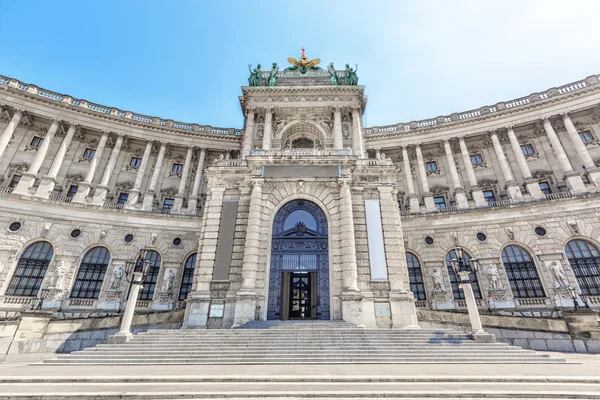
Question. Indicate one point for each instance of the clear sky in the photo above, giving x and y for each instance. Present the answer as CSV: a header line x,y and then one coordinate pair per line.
x,y
186,60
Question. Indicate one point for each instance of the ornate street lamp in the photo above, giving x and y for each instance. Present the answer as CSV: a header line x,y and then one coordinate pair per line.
x,y
573,293
464,269
43,296
135,274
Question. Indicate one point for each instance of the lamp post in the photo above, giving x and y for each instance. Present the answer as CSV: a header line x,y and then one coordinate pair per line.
x,y
464,269
43,296
135,274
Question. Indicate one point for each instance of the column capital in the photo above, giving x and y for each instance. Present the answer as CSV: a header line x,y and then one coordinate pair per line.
x,y
546,120
250,110
565,115
269,110
336,109
461,138
257,183
355,109
19,112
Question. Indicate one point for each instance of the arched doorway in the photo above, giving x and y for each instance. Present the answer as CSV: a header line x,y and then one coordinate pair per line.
x,y
299,271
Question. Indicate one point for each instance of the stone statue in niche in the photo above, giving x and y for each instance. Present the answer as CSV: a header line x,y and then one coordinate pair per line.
x,y
115,280
58,274
438,280
168,281
559,275
345,131
494,277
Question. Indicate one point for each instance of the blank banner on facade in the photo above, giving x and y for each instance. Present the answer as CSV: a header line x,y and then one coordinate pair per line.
x,y
301,171
225,241
375,238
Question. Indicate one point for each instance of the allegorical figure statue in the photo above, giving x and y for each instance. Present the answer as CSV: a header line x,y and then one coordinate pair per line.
x,y
438,280
333,78
58,274
272,79
560,276
494,276
255,78
168,281
115,281
350,77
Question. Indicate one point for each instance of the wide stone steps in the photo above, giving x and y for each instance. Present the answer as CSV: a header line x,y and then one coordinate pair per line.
x,y
302,343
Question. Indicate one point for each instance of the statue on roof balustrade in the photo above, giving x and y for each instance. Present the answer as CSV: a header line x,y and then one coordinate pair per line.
x,y
333,78
304,64
255,78
350,77
272,79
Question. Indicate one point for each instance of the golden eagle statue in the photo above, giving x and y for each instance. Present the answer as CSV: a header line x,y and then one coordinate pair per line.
x,y
304,64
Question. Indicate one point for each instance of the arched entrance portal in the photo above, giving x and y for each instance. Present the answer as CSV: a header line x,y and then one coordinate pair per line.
x,y
299,272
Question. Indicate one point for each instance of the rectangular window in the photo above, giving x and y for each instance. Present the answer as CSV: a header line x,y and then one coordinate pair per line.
x,y
476,159
135,162
586,136
545,187
14,181
168,204
123,198
89,153
527,149
177,168
72,191
37,141
488,195
431,166
440,202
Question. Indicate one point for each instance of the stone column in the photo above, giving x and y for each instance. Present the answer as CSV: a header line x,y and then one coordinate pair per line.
x,y
193,199
268,132
86,186
413,199
245,306
533,187
249,134
9,130
149,196
402,302
49,180
458,190
592,172
427,196
351,296
185,173
357,143
134,193
572,178
476,191
512,187
28,178
338,138
102,188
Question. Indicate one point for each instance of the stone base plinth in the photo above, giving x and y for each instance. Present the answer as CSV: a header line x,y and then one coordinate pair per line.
x,y
196,310
483,337
413,203
352,307
132,199
574,182
100,195
593,175
46,187
245,307
514,191
119,338
533,188
404,312
478,198
429,203
148,201
26,182
83,192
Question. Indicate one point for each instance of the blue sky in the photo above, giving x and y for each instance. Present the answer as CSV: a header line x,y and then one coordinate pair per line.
x,y
186,60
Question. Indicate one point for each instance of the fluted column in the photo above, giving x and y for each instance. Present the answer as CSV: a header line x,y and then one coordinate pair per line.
x,y
427,196
512,187
185,173
249,133
533,187
193,199
571,177
357,143
9,130
245,306
49,180
457,189
338,139
268,132
413,199
102,188
347,243
592,172
149,196
476,191
28,178
86,186
134,193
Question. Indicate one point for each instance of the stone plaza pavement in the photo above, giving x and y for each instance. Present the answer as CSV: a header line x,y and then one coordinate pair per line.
x,y
23,377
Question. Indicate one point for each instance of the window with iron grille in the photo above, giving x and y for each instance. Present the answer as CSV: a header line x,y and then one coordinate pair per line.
x,y
123,198
135,162
527,149
488,195
91,274
545,187
14,181
584,259
439,201
476,159
431,166
31,269
586,136
455,279
168,204
177,168
415,276
72,190
36,141
147,291
521,272
89,154
188,277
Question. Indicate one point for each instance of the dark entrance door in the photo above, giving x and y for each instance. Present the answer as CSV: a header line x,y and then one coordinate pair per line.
x,y
300,296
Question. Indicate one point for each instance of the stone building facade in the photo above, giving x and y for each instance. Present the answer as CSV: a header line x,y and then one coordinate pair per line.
x,y
303,213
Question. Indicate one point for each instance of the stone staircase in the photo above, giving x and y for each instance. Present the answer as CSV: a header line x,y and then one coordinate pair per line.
x,y
302,342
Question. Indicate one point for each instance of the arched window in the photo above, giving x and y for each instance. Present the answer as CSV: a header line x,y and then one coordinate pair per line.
x,y
91,274
31,269
147,292
521,272
584,259
455,279
188,277
415,276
